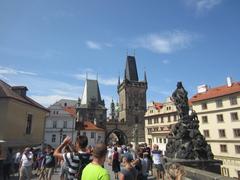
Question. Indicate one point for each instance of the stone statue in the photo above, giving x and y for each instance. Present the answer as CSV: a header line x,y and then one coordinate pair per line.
x,y
180,99
185,139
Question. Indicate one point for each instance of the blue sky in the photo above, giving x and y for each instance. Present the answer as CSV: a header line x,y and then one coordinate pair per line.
x,y
49,46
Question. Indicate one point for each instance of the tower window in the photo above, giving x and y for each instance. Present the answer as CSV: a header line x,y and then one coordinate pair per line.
x,y
136,119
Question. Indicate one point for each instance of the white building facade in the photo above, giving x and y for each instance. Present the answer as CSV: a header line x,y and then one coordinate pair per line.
x,y
218,111
159,120
60,122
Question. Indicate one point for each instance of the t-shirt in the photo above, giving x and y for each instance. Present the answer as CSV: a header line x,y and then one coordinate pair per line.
x,y
27,159
156,155
73,162
95,172
129,174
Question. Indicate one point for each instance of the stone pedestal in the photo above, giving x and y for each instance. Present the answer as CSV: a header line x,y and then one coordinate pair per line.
x,y
206,165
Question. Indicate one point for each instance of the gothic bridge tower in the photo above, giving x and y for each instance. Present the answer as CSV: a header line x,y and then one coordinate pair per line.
x,y
132,102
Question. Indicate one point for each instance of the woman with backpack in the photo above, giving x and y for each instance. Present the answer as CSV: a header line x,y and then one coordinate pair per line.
x,y
115,162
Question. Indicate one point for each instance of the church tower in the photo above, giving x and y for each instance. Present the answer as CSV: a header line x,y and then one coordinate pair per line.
x,y
132,101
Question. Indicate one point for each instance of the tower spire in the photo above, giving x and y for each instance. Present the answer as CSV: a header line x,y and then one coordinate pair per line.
x,y
145,75
118,80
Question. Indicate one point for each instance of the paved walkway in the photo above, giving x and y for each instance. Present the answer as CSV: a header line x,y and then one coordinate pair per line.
x,y
56,175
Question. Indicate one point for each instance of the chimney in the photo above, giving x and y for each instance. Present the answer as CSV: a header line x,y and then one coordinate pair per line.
x,y
20,90
202,88
229,81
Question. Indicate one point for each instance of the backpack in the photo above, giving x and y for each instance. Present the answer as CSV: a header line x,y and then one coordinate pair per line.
x,y
84,160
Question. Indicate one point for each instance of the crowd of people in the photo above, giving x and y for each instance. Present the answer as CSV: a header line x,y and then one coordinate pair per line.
x,y
80,161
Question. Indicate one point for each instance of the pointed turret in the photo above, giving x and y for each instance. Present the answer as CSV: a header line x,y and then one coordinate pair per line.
x,y
145,76
91,93
131,69
118,80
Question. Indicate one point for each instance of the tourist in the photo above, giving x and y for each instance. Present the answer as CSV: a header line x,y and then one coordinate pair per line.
x,y
26,164
109,154
147,161
175,172
158,170
49,162
115,162
64,170
17,160
128,172
141,165
7,163
77,159
95,170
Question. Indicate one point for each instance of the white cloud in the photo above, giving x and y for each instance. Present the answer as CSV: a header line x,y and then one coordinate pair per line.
x,y
101,80
165,61
166,42
202,5
11,71
97,45
93,45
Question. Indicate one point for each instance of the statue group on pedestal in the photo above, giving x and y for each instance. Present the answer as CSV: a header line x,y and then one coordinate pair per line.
x,y
185,140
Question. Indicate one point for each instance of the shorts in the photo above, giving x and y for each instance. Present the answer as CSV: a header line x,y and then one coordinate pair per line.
x,y
158,167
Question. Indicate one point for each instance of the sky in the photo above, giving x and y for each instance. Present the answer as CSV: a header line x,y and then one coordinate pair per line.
x,y
50,46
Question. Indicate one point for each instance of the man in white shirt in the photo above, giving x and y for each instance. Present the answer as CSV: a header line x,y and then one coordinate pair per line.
x,y
157,162
26,164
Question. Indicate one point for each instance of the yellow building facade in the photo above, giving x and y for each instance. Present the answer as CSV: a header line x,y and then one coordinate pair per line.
x,y
22,119
159,119
218,111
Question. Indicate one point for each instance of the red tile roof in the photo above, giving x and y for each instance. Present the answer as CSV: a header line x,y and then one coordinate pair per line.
x,y
6,91
89,126
157,105
216,92
71,110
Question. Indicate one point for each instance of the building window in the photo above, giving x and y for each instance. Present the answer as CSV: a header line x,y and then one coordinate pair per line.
x,y
136,119
234,116
162,121
175,118
92,135
54,124
65,104
233,100
160,140
84,134
155,120
169,118
221,133
236,132
206,133
164,140
219,103
204,105
220,118
29,124
149,121
204,119
237,149
65,124
54,138
149,130
223,148
151,111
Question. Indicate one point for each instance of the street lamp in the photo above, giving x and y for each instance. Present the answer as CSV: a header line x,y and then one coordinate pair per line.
x,y
60,131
